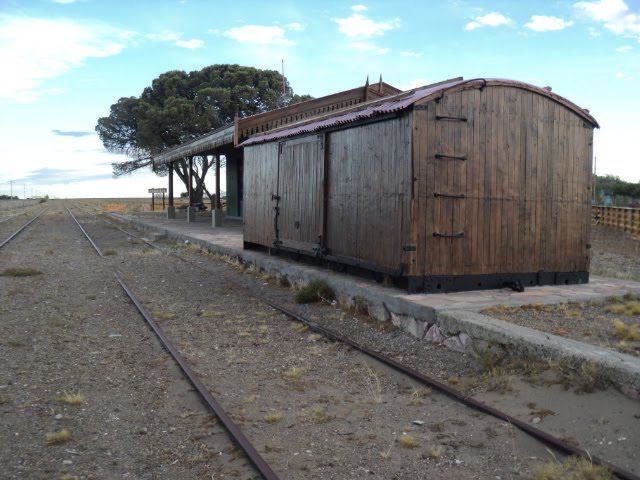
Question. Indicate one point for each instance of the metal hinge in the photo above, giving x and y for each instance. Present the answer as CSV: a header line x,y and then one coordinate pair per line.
x,y
448,235
408,248
275,197
445,117
448,195
452,157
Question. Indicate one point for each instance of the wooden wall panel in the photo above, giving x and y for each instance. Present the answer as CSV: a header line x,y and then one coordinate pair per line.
x,y
526,183
369,184
260,176
300,188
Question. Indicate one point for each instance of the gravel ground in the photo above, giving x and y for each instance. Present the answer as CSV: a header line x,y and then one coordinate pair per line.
x,y
314,409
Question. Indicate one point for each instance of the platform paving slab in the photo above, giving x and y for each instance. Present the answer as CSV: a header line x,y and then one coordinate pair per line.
x,y
455,316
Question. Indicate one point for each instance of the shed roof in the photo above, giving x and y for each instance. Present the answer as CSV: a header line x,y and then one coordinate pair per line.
x,y
206,143
403,101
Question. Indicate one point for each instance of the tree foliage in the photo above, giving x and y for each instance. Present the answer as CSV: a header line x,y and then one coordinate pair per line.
x,y
180,106
619,192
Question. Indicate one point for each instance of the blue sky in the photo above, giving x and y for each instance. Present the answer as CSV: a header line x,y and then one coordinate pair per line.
x,y
66,61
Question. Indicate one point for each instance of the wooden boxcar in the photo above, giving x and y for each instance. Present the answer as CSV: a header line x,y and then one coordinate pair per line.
x,y
462,185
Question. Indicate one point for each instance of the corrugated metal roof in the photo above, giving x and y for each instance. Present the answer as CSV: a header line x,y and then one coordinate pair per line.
x,y
198,146
402,101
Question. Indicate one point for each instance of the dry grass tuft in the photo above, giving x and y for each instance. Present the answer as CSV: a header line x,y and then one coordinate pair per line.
x,y
109,253
626,332
372,382
56,438
314,337
436,453
572,468
72,398
274,417
315,291
294,373
20,272
408,441
163,316
315,415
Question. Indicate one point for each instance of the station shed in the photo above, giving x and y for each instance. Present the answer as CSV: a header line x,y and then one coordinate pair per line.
x,y
460,185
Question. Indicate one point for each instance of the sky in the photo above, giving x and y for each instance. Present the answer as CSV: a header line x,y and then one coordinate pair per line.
x,y
65,62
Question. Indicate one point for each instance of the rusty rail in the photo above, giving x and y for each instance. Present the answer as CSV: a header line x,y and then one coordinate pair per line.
x,y
620,218
17,232
534,432
242,441
457,395
85,233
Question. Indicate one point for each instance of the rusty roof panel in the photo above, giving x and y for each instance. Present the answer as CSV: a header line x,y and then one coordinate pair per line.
x,y
402,101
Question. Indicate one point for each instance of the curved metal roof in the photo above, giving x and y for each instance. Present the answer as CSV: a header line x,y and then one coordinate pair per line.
x,y
405,100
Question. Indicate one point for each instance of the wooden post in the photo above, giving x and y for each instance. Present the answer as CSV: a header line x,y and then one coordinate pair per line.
x,y
190,181
163,205
153,206
218,181
171,184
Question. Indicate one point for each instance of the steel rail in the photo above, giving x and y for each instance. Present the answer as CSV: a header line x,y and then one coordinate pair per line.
x,y
532,431
85,233
242,441
17,232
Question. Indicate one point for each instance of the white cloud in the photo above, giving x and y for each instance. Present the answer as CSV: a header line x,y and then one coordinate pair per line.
x,y
541,23
258,34
624,49
603,10
594,33
164,36
493,19
295,26
368,47
358,8
64,2
34,59
176,39
620,75
614,14
190,44
360,26
410,54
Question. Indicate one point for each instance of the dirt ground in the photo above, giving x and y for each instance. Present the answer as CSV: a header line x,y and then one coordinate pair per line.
x,y
314,409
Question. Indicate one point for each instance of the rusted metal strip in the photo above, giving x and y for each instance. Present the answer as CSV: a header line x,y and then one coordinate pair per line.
x,y
17,232
85,233
449,195
446,117
459,396
452,157
448,235
242,441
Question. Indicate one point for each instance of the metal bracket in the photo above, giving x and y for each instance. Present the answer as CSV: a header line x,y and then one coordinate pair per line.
x,y
448,195
445,117
408,248
452,157
448,235
275,197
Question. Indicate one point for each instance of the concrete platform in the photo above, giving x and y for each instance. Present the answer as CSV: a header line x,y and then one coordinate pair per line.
x,y
453,319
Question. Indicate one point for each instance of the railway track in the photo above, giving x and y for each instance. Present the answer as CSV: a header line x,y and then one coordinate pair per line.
x,y
20,230
143,284
266,471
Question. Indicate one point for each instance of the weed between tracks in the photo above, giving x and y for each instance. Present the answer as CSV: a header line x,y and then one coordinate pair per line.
x,y
56,438
572,468
20,272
